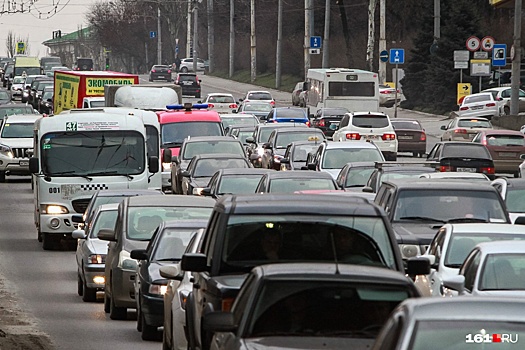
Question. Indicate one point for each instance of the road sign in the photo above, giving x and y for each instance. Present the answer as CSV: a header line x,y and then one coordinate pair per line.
x,y
464,89
499,55
20,47
487,43
479,68
152,34
315,42
315,51
473,43
461,55
383,56
397,56
481,55
460,65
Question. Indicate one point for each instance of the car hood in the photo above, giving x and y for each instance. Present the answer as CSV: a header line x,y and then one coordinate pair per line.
x,y
97,246
307,343
420,233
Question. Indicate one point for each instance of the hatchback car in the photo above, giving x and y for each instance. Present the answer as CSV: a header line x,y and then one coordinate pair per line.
x,y
190,84
17,87
505,147
221,102
186,65
328,119
478,105
368,126
462,156
160,72
287,115
257,95
411,136
464,128
258,108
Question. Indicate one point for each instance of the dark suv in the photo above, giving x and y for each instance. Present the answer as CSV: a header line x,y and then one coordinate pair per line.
x,y
190,84
83,64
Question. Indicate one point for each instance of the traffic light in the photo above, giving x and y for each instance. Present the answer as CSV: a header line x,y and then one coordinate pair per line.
x,y
107,63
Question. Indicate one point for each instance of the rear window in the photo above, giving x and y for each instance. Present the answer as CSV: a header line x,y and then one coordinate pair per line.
x,y
208,167
260,96
257,107
505,140
466,150
187,78
284,139
337,158
410,125
339,112
370,121
477,98
221,99
366,89
290,113
474,123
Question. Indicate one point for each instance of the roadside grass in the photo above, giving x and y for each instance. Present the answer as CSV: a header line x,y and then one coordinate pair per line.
x,y
266,80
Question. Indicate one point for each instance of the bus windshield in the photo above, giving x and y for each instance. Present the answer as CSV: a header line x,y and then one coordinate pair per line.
x,y
93,153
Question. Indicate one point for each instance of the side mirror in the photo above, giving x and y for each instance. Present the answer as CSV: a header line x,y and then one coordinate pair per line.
x,y
78,218
206,191
79,234
333,127
368,189
418,266
185,173
153,164
456,282
250,139
219,322
172,272
264,117
175,159
443,127
194,262
522,156
33,165
520,220
139,254
107,234
166,155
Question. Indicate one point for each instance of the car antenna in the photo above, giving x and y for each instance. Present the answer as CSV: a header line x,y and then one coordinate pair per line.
x,y
337,272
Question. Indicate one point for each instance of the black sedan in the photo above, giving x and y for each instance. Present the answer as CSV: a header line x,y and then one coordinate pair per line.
x,y
309,306
160,72
165,248
234,181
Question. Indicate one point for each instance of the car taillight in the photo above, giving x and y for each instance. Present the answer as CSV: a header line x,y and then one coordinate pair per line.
x,y
211,105
445,168
463,108
272,103
169,71
353,136
488,170
308,124
490,104
233,105
321,123
153,71
423,137
460,131
388,137
226,304
384,92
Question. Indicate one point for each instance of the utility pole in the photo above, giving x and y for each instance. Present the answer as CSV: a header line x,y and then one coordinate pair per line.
x,y
326,51
232,37
279,44
211,35
307,17
516,60
195,36
189,49
146,47
253,47
382,39
159,36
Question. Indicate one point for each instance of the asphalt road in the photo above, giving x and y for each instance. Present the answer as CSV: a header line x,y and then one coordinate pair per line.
x,y
44,282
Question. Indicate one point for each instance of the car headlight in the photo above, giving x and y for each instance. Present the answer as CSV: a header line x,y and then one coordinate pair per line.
x,y
158,289
166,166
6,151
53,209
409,250
125,262
260,152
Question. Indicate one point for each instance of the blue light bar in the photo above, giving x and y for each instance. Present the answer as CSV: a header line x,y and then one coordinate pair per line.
x,y
188,106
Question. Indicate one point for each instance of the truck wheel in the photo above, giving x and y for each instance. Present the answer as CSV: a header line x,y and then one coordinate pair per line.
x,y
48,241
2,176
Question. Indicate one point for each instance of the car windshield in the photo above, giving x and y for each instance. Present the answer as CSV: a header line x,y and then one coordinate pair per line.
x,y
370,121
358,177
463,150
283,139
105,219
192,149
259,96
408,125
474,123
15,110
506,140
175,133
293,185
337,158
18,130
461,244
445,205
19,80
208,167
514,200
172,243
322,308
47,95
143,221
503,272
460,333
238,184
304,238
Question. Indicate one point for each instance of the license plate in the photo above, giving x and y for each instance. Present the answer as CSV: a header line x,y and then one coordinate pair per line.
x,y
24,163
476,107
405,137
508,154
467,170
370,137
160,76
187,82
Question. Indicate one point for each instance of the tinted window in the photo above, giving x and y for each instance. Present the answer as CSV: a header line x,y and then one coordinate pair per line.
x,y
477,98
411,125
290,113
259,96
18,130
237,184
337,88
208,167
474,123
505,140
370,121
466,150
292,185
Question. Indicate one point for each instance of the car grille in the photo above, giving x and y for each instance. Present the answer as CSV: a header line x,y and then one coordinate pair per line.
x,y
20,152
80,205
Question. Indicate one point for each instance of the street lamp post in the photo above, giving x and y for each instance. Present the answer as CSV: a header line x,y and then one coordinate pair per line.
x,y
159,37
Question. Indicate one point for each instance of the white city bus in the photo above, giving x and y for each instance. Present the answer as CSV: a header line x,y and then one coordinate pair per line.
x,y
354,89
79,152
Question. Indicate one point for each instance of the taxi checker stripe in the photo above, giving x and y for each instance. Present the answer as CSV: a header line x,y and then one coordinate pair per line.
x,y
91,187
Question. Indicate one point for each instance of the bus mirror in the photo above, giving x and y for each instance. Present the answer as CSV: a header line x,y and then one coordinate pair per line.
x,y
153,164
166,156
33,165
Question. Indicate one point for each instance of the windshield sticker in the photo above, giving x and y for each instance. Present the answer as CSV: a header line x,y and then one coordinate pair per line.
x,y
92,126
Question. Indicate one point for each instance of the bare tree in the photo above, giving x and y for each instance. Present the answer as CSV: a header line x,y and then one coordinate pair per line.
x,y
10,44
371,34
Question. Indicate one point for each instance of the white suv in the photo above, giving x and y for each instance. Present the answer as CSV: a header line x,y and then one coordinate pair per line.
x,y
369,126
186,65
16,144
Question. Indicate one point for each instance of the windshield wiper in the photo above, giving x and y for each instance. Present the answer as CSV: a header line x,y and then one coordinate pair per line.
x,y
421,218
174,143
458,220
113,172
71,172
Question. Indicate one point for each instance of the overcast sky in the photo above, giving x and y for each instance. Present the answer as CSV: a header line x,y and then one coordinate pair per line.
x,y
69,17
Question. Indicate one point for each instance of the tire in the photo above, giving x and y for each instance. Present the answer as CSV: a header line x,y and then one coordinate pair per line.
x,y
48,241
139,319
148,332
106,303
117,313
88,294
80,284
39,235
184,70
192,342
2,176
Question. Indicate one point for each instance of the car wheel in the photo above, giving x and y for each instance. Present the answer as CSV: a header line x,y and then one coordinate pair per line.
x,y
88,294
184,69
2,176
106,302
39,235
80,290
139,319
48,241
117,313
148,332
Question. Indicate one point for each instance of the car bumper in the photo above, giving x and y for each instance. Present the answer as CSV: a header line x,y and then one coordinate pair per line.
x,y
507,166
480,113
91,272
152,307
18,166
412,146
123,289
